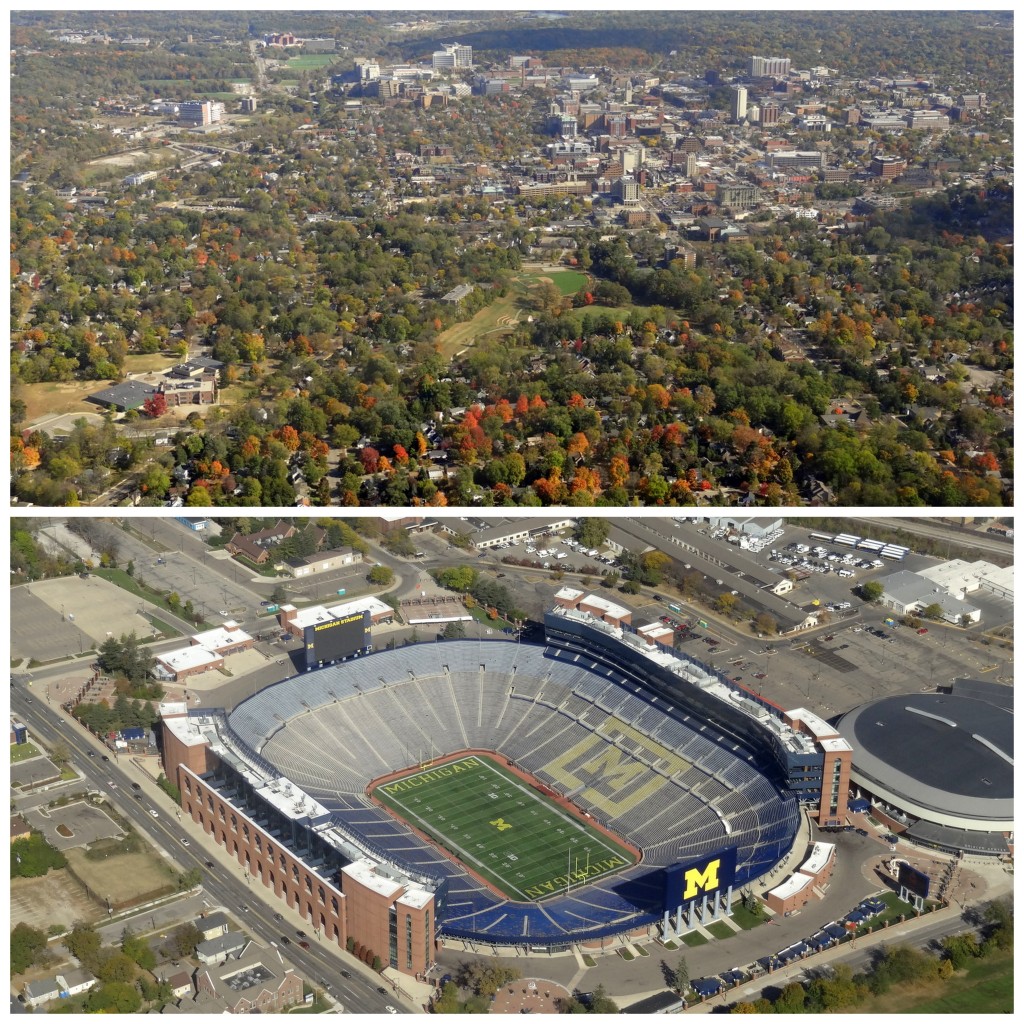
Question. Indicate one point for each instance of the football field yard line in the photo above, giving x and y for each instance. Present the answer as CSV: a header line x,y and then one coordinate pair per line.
x,y
568,818
529,849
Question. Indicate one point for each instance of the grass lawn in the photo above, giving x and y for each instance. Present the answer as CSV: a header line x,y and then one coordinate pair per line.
x,y
615,312
695,939
626,954
120,578
568,282
55,399
985,986
521,841
124,875
312,60
499,317
744,918
589,960
480,614
721,930
152,362
895,906
168,631
23,751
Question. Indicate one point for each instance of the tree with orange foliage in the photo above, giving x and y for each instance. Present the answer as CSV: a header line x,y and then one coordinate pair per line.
x,y
618,470
401,455
578,444
522,405
288,436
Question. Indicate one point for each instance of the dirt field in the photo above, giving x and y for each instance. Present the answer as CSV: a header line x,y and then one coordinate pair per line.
x,y
55,898
98,607
46,401
124,876
128,159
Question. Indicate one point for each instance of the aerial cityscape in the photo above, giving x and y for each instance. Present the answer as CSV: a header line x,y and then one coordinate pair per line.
x,y
582,258
562,763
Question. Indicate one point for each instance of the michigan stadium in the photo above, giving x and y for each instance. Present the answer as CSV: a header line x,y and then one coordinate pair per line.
x,y
523,794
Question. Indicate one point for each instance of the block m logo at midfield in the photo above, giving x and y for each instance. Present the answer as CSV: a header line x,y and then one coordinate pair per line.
x,y
608,778
685,883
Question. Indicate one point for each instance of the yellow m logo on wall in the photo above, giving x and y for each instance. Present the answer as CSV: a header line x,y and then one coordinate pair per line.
x,y
701,879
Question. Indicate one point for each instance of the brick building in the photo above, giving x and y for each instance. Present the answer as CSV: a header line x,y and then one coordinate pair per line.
x,y
283,839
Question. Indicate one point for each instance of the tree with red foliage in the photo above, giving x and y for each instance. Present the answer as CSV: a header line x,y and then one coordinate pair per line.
x,y
370,459
155,405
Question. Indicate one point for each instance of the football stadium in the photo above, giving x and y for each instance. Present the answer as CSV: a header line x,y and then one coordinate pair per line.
x,y
530,795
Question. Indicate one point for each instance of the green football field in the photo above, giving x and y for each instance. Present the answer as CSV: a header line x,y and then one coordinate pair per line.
x,y
522,842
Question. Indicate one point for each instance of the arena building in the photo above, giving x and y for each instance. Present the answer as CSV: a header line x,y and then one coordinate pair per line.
x,y
702,778
938,767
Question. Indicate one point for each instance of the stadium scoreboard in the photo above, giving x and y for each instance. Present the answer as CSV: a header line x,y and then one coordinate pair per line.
x,y
337,639
914,881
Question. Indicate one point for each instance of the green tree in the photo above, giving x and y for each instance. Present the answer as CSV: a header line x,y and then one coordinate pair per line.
x,y
137,949
185,938
116,997
381,576
454,630
83,942
960,949
26,944
681,976
116,967
34,856
933,612
591,532
872,591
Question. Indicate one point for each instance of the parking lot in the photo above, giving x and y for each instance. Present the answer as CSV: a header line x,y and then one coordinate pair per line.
x,y
77,824
63,617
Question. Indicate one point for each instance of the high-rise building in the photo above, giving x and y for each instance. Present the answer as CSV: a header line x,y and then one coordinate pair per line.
x,y
627,189
769,113
453,56
739,104
691,165
769,67
195,112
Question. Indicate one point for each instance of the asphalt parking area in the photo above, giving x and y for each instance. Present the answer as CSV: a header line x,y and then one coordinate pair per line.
x,y
77,824
830,658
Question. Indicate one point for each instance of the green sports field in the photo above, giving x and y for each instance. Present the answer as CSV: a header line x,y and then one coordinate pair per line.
x,y
519,840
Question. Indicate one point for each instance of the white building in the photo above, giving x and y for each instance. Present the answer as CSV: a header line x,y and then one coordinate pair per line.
x,y
452,56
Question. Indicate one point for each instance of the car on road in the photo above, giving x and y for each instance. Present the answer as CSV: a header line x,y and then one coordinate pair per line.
x,y
91,753
303,944
62,722
345,974
922,631
862,832
302,935
136,785
184,841
285,941
28,700
263,604
244,908
105,758
278,917
760,675
138,796
390,1009
890,838
153,813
